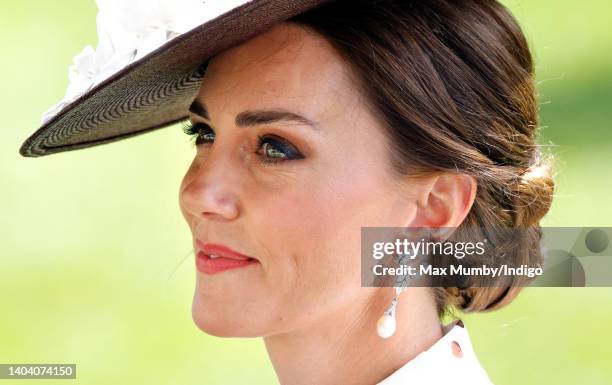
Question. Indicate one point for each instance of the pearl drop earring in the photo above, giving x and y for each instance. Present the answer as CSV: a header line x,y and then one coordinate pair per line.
x,y
386,324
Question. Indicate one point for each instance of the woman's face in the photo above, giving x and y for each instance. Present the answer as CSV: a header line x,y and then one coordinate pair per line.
x,y
296,199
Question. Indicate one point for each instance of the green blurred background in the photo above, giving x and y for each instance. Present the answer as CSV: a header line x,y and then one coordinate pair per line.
x,y
95,264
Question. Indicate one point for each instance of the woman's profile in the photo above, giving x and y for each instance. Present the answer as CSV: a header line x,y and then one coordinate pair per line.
x,y
336,116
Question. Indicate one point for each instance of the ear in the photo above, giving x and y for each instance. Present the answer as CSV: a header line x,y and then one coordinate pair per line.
x,y
444,200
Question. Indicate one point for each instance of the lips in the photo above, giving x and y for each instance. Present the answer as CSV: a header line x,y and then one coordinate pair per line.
x,y
214,258
220,251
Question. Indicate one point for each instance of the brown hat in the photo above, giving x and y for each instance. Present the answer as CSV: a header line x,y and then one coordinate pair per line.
x,y
131,85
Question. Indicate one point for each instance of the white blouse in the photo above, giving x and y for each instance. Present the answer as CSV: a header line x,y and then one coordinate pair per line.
x,y
451,360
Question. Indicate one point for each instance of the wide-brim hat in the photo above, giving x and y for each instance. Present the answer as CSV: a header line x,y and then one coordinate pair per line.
x,y
148,67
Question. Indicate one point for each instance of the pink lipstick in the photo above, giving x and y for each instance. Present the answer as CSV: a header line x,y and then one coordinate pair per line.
x,y
216,258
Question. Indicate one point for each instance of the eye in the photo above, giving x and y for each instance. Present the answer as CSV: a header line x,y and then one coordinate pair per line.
x,y
274,149
200,133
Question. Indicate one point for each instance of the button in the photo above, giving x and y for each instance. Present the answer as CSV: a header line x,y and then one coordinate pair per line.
x,y
457,352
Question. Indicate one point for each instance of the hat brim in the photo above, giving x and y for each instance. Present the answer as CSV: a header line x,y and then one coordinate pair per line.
x,y
156,90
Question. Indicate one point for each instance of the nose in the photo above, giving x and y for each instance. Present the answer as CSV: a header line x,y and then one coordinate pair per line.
x,y
210,189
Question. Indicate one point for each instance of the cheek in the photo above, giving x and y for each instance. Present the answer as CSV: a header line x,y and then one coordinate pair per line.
x,y
314,233
307,271
316,266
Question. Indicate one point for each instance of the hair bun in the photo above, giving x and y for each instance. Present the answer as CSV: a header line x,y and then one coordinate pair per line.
x,y
534,193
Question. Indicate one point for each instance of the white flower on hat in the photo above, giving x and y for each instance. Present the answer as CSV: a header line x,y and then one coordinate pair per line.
x,y
127,31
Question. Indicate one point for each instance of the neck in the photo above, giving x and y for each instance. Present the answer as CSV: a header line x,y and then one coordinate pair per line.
x,y
344,348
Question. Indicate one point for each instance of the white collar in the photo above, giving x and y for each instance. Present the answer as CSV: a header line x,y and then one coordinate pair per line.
x,y
450,360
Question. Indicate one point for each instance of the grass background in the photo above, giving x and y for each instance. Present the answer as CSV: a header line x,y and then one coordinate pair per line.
x,y
94,264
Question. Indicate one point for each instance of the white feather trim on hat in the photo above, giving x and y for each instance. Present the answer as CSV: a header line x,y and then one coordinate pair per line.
x,y
127,31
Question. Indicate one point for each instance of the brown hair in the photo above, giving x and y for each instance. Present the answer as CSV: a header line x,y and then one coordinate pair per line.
x,y
453,84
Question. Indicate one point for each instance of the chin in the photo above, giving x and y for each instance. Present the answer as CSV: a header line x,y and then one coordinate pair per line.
x,y
219,323
216,329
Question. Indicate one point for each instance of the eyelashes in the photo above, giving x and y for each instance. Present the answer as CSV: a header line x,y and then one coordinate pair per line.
x,y
275,148
195,132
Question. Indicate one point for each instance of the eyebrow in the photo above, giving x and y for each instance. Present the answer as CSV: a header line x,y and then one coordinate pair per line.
x,y
253,118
